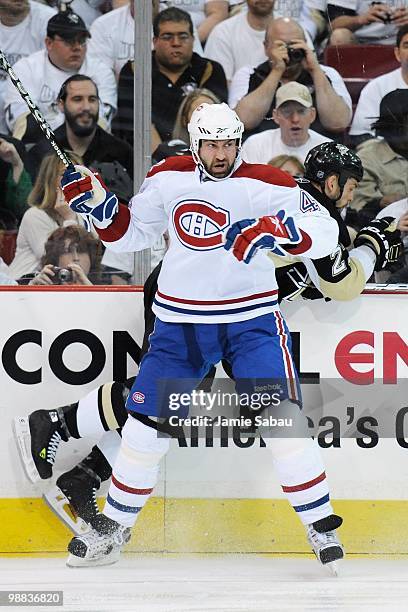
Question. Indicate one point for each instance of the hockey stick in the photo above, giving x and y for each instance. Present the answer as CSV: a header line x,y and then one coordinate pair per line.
x,y
49,134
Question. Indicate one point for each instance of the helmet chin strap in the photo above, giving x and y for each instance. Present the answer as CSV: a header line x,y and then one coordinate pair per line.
x,y
203,170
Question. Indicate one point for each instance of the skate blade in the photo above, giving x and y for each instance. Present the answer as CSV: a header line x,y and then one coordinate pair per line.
x,y
22,436
59,504
332,568
110,559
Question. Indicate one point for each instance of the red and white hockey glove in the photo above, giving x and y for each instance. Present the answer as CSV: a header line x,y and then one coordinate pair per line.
x,y
245,237
88,196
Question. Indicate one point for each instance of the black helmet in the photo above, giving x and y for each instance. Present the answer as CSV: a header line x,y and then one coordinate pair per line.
x,y
332,158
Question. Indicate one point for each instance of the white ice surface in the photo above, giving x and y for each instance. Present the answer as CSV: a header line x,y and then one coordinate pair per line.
x,y
204,583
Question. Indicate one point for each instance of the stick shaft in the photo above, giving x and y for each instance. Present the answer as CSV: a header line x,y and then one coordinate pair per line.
x,y
34,110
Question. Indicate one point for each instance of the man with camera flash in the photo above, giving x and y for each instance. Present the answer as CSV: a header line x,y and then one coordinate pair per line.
x,y
253,90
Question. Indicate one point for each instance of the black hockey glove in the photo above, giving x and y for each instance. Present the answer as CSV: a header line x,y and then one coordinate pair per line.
x,y
383,237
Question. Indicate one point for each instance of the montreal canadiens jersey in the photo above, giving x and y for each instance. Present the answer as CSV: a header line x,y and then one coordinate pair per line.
x,y
201,282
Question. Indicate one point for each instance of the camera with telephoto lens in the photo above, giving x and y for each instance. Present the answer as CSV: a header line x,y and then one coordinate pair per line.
x,y
295,55
62,275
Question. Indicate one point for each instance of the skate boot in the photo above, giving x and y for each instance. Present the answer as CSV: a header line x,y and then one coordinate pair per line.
x,y
100,546
73,498
322,537
38,436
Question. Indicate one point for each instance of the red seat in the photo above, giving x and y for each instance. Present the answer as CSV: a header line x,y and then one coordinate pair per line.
x,y
8,240
357,64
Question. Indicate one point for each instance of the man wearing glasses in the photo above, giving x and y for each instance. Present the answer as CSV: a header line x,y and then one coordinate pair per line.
x,y
177,70
44,72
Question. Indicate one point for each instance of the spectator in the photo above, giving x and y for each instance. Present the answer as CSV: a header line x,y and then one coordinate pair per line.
x,y
253,90
205,14
78,100
48,211
237,41
366,22
385,159
176,71
293,113
22,31
5,278
113,35
15,182
44,72
180,142
368,105
289,163
72,256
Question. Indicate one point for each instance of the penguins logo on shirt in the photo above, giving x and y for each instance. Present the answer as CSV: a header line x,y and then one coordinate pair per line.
x,y
199,225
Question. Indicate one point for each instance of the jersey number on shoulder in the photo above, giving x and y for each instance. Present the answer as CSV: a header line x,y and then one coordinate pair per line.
x,y
307,203
339,265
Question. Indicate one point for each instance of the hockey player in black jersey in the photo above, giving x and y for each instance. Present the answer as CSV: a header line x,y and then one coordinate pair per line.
x,y
332,173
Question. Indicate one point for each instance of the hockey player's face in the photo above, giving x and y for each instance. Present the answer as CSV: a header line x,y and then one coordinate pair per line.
x,y
173,45
81,107
348,193
218,156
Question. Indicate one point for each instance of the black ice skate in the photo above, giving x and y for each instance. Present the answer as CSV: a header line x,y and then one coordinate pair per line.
x,y
73,498
100,546
322,537
38,436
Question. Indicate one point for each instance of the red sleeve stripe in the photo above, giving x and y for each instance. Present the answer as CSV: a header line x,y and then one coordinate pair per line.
x,y
117,228
124,487
179,163
301,247
304,485
265,173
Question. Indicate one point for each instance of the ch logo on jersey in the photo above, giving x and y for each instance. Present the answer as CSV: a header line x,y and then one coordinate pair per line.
x,y
199,225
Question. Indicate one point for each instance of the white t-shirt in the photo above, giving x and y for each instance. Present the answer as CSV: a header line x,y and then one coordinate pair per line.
x,y
87,9
196,8
234,44
260,148
368,107
22,40
240,84
43,80
375,33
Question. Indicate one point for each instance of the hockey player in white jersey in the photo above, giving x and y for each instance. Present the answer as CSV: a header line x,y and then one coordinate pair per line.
x,y
208,306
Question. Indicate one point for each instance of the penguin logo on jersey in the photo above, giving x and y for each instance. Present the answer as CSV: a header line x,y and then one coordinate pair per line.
x,y
199,225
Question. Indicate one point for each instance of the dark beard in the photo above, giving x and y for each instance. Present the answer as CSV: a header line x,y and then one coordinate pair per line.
x,y
80,130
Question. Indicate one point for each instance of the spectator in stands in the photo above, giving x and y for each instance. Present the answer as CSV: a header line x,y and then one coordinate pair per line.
x,y
365,22
22,31
48,211
78,100
238,41
289,163
112,37
293,113
368,105
44,72
15,182
385,159
180,140
176,71
72,256
253,90
205,14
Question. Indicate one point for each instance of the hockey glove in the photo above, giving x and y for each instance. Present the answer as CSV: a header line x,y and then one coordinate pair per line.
x,y
383,237
88,196
245,237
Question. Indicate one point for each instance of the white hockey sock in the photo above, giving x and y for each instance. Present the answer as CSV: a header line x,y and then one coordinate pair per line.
x,y
88,420
300,469
109,446
135,471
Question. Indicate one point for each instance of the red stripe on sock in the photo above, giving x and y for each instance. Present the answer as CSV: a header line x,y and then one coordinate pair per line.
x,y
123,487
305,485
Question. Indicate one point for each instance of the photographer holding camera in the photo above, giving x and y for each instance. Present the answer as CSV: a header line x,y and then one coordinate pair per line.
x,y
253,90
72,257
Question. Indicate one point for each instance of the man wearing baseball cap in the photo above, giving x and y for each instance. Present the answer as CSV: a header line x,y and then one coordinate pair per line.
x,y
43,73
294,112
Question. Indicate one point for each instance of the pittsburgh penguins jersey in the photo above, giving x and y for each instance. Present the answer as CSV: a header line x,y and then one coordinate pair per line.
x,y
200,282
340,275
